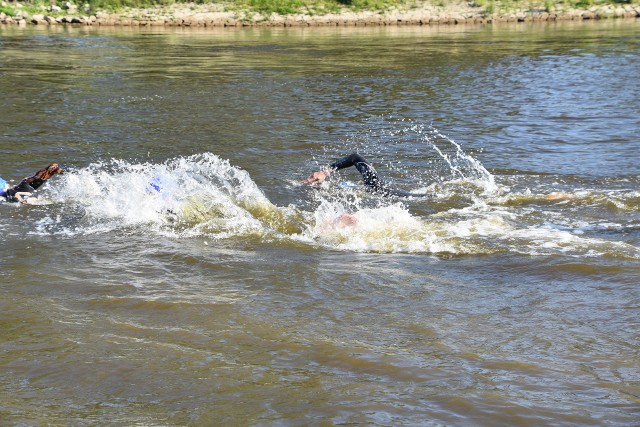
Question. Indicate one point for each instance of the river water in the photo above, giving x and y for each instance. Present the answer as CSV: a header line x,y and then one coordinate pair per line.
x,y
507,296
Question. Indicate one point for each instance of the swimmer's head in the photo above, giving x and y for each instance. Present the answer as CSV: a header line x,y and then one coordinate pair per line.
x,y
346,220
54,169
49,171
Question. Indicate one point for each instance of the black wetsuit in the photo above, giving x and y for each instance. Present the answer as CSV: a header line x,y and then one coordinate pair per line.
x,y
370,176
23,187
27,185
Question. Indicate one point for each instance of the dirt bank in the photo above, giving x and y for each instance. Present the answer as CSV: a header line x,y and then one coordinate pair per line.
x,y
216,15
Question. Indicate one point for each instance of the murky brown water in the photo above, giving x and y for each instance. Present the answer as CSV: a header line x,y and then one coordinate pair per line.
x,y
229,298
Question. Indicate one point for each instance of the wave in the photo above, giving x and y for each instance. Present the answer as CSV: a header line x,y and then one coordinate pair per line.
x,y
185,196
205,196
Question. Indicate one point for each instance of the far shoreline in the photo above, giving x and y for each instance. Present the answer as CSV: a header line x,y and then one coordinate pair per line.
x,y
215,16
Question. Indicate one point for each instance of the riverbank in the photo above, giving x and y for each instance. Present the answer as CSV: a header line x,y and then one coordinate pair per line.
x,y
228,15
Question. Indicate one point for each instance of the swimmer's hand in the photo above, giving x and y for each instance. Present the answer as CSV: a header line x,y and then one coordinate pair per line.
x,y
317,177
21,196
32,200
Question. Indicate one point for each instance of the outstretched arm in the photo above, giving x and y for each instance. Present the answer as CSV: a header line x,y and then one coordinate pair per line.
x,y
369,174
351,160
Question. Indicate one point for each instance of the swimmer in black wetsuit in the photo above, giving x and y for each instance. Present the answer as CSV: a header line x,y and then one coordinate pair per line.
x,y
17,193
369,176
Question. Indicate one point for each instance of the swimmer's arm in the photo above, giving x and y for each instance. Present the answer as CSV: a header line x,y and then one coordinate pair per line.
x,y
20,196
348,161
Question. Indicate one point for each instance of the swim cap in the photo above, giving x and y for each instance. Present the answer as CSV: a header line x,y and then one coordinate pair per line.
x,y
156,183
3,184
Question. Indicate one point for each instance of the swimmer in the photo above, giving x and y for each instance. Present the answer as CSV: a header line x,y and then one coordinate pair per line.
x,y
369,176
18,193
342,221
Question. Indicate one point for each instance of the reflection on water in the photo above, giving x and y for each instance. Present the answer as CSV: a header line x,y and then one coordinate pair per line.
x,y
180,274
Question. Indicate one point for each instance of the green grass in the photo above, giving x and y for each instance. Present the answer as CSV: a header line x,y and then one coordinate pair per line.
x,y
285,7
312,7
8,10
489,6
115,5
502,7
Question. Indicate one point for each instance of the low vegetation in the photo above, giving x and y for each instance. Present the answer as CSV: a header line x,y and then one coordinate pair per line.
x,y
282,7
502,6
285,7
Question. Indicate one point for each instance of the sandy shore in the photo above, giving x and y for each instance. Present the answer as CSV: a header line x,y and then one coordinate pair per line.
x,y
217,15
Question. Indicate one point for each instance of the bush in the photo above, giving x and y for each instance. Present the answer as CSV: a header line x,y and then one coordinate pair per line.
x,y
9,11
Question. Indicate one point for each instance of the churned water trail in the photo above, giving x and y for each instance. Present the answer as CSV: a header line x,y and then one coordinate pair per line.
x,y
180,274
204,195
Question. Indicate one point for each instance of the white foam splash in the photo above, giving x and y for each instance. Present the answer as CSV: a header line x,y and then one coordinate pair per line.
x,y
205,196
190,195
461,164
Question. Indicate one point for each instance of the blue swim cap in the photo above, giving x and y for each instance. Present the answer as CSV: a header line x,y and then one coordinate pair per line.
x,y
156,183
3,184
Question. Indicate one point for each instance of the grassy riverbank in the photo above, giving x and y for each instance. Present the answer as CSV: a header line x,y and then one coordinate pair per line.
x,y
307,12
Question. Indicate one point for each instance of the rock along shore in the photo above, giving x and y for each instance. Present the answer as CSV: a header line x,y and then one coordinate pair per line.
x,y
215,15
